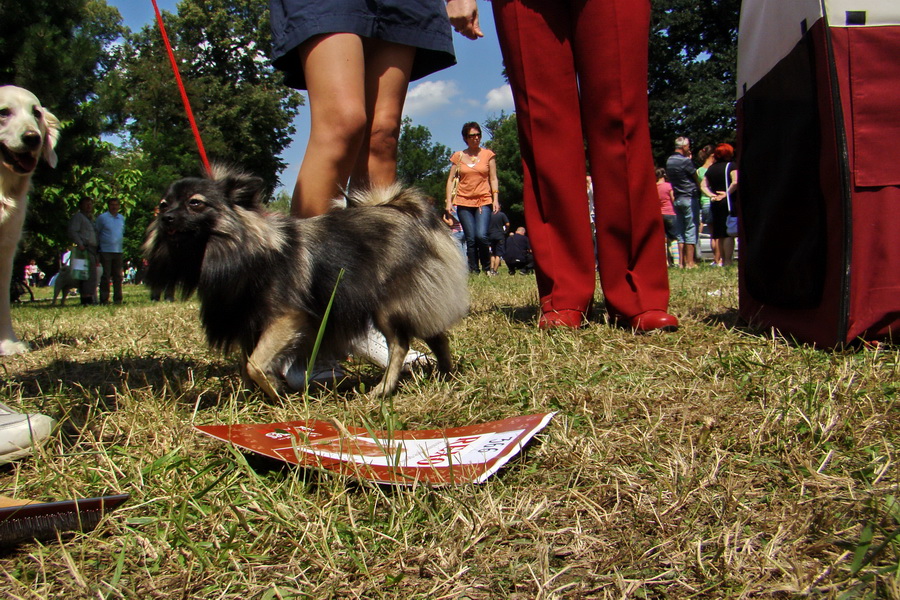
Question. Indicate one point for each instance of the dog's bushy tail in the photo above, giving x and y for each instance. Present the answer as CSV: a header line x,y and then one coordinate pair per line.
x,y
407,199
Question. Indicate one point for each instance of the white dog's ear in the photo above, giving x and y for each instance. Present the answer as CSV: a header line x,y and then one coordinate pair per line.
x,y
51,136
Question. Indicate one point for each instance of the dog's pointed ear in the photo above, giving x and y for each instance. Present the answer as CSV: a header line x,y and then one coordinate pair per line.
x,y
51,136
245,190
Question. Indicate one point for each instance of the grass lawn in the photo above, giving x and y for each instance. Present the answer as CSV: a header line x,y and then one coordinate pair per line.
x,y
714,462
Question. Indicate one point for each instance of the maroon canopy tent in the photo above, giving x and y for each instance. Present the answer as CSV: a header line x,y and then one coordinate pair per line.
x,y
819,152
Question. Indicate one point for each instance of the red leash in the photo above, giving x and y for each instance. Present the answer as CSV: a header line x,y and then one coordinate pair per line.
x,y
184,97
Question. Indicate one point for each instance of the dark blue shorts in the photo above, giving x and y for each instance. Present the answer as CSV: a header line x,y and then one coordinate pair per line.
x,y
498,246
422,24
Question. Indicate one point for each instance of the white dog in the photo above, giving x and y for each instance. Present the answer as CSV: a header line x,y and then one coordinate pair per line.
x,y
27,132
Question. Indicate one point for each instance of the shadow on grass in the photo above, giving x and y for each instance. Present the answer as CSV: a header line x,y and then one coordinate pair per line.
x,y
523,315
731,320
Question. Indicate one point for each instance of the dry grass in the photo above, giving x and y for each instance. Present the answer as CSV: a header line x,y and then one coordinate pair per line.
x,y
715,462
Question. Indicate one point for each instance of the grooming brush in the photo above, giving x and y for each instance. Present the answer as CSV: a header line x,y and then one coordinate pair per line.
x,y
25,520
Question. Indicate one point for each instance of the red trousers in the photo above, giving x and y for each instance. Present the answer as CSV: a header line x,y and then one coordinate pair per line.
x,y
578,71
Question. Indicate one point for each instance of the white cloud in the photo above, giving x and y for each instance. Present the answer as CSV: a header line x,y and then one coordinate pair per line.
x,y
500,100
429,96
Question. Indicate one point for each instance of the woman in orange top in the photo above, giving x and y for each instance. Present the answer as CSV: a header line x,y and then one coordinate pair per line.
x,y
476,191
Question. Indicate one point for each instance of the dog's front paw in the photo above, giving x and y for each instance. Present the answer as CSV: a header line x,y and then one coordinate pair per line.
x,y
10,347
266,380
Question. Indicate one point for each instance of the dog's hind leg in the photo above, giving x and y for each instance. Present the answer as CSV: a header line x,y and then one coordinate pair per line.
x,y
440,345
273,341
398,346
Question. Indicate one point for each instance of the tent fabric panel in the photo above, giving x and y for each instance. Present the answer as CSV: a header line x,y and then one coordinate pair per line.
x,y
875,280
846,13
874,101
769,30
809,309
781,202
874,307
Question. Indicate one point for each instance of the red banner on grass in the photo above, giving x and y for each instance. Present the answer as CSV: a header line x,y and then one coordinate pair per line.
x,y
436,456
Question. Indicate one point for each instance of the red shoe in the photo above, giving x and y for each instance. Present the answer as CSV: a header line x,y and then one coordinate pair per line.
x,y
572,319
652,320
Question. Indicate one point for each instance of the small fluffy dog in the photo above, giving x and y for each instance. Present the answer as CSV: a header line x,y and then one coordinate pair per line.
x,y
28,131
265,280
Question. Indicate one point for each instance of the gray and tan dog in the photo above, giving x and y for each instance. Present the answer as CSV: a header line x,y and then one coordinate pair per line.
x,y
28,132
265,280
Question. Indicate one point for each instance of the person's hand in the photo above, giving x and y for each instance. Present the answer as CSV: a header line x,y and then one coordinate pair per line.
x,y
464,18
496,207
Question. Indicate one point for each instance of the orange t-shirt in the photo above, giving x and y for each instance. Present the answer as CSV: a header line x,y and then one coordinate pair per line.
x,y
474,180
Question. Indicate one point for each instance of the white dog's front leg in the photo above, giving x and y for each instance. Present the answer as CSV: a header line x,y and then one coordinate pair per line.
x,y
9,343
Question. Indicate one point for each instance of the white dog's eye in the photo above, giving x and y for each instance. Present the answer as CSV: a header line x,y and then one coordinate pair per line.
x,y
36,112
5,112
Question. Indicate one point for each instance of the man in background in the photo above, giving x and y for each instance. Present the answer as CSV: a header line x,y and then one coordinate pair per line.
x,y
518,253
682,175
497,229
84,236
110,232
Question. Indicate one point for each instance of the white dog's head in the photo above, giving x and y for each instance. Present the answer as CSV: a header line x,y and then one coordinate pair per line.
x,y
27,131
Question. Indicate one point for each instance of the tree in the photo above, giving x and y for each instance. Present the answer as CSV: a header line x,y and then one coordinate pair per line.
x,y
504,143
421,162
243,111
693,64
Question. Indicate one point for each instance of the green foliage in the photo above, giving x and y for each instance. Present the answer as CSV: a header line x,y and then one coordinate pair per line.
x,y
693,64
243,112
421,162
280,202
505,144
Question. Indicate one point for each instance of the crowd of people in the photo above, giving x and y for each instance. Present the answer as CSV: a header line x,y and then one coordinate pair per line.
x,y
682,187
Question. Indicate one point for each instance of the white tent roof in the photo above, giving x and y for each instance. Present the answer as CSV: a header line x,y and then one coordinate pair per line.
x,y
769,29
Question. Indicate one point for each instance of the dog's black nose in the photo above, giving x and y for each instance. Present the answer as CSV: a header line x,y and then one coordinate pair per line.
x,y
31,139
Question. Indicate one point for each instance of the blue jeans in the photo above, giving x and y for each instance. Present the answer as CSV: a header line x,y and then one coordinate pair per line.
x,y
687,219
460,238
475,222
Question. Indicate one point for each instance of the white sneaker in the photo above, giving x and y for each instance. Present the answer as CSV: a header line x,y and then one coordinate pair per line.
x,y
297,378
374,348
19,433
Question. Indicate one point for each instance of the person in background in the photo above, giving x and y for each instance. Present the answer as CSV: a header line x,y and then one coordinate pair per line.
x,y
451,220
518,253
33,274
705,156
497,237
84,236
578,72
682,175
110,234
476,197
720,183
666,200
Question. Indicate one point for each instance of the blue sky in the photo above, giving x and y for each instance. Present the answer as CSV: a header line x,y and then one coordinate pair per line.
x,y
473,90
